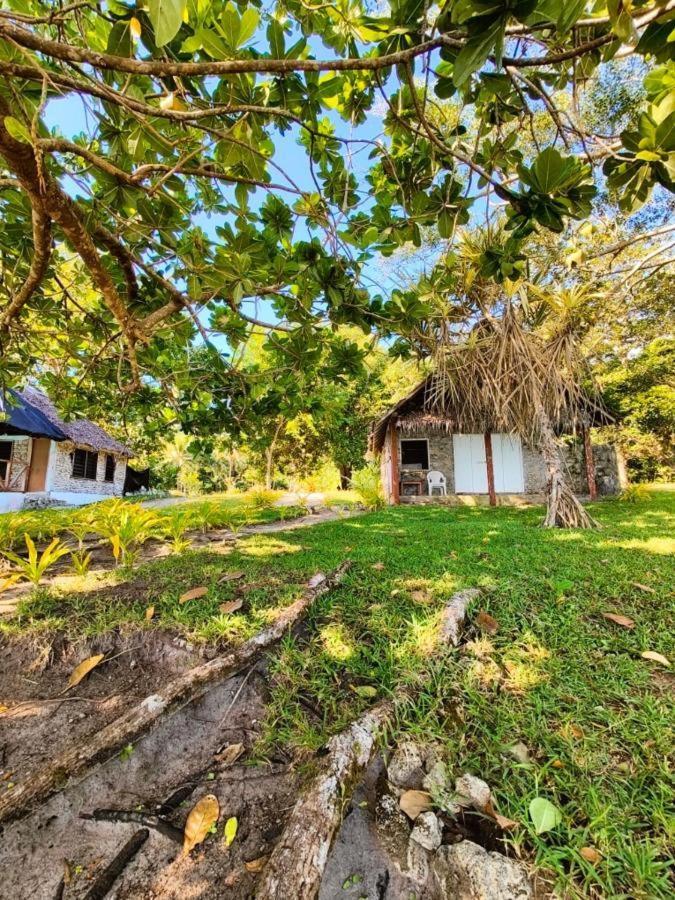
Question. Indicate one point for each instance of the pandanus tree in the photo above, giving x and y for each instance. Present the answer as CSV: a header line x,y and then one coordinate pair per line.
x,y
508,358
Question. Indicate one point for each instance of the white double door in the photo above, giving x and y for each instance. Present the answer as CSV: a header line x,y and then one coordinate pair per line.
x,y
471,464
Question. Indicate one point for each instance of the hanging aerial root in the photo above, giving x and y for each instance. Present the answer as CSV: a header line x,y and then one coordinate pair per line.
x,y
564,509
131,724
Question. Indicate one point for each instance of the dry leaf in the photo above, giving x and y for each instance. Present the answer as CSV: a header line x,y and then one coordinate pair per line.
x,y
558,764
378,566
83,669
420,596
150,612
231,606
230,831
487,623
230,754
655,657
504,823
201,819
256,865
590,854
194,594
230,576
626,621
415,802
643,587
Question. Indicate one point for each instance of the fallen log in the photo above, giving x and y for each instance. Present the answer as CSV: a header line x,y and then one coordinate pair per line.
x,y
297,863
101,887
185,688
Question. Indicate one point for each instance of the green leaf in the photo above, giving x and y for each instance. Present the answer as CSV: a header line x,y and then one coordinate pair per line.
x,y
544,815
230,831
166,17
17,130
476,50
119,40
248,25
570,11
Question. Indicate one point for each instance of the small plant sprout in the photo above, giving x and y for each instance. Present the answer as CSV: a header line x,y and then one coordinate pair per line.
x,y
81,562
177,524
34,567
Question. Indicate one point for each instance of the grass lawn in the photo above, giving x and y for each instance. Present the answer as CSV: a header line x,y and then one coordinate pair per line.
x,y
557,676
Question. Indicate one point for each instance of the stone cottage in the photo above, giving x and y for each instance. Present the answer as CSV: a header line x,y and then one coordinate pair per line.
x,y
411,441
41,456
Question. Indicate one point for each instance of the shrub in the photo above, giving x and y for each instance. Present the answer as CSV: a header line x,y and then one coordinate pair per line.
x,y
127,527
34,567
633,493
366,482
261,498
175,526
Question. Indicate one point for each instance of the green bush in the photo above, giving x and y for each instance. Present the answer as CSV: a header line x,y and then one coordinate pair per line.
x,y
367,484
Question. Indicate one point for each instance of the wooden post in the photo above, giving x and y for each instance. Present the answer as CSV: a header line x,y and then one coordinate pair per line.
x,y
490,469
590,465
395,474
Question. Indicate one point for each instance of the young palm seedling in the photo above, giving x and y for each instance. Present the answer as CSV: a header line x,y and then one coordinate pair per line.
x,y
127,532
176,525
34,567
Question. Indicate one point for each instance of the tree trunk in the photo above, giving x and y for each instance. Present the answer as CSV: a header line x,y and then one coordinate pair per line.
x,y
269,468
345,477
563,509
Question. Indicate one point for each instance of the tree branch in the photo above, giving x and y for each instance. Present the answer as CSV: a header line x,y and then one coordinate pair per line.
x,y
42,251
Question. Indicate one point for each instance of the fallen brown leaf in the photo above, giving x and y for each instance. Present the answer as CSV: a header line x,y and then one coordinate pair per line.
x,y
231,606
201,818
414,802
421,596
83,669
643,587
590,854
194,594
230,754
504,823
378,566
256,865
656,657
230,576
558,764
626,621
150,612
487,623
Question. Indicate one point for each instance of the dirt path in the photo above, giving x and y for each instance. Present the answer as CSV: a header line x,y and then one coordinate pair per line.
x,y
179,754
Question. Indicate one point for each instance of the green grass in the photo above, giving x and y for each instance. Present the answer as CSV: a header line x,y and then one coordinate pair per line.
x,y
557,676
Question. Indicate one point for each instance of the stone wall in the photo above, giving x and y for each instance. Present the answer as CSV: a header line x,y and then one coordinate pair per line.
x,y
61,479
18,472
609,469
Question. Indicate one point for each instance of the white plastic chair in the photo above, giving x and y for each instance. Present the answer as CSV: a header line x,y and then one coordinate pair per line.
x,y
436,480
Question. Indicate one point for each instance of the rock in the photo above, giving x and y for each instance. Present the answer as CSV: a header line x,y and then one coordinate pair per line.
x,y
392,826
466,871
472,791
520,753
427,831
436,781
405,767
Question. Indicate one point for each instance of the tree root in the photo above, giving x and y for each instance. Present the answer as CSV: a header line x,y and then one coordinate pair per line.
x,y
137,818
564,510
114,869
297,863
296,866
106,742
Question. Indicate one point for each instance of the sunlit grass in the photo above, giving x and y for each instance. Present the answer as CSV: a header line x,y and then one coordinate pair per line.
x,y
557,676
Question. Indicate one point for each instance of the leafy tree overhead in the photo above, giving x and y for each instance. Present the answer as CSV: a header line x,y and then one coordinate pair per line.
x,y
174,212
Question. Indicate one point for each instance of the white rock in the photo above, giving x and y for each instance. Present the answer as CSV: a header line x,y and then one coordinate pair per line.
x,y
405,767
472,791
427,831
466,871
436,780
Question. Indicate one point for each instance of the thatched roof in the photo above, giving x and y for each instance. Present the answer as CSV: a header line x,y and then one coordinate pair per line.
x,y
35,415
417,412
